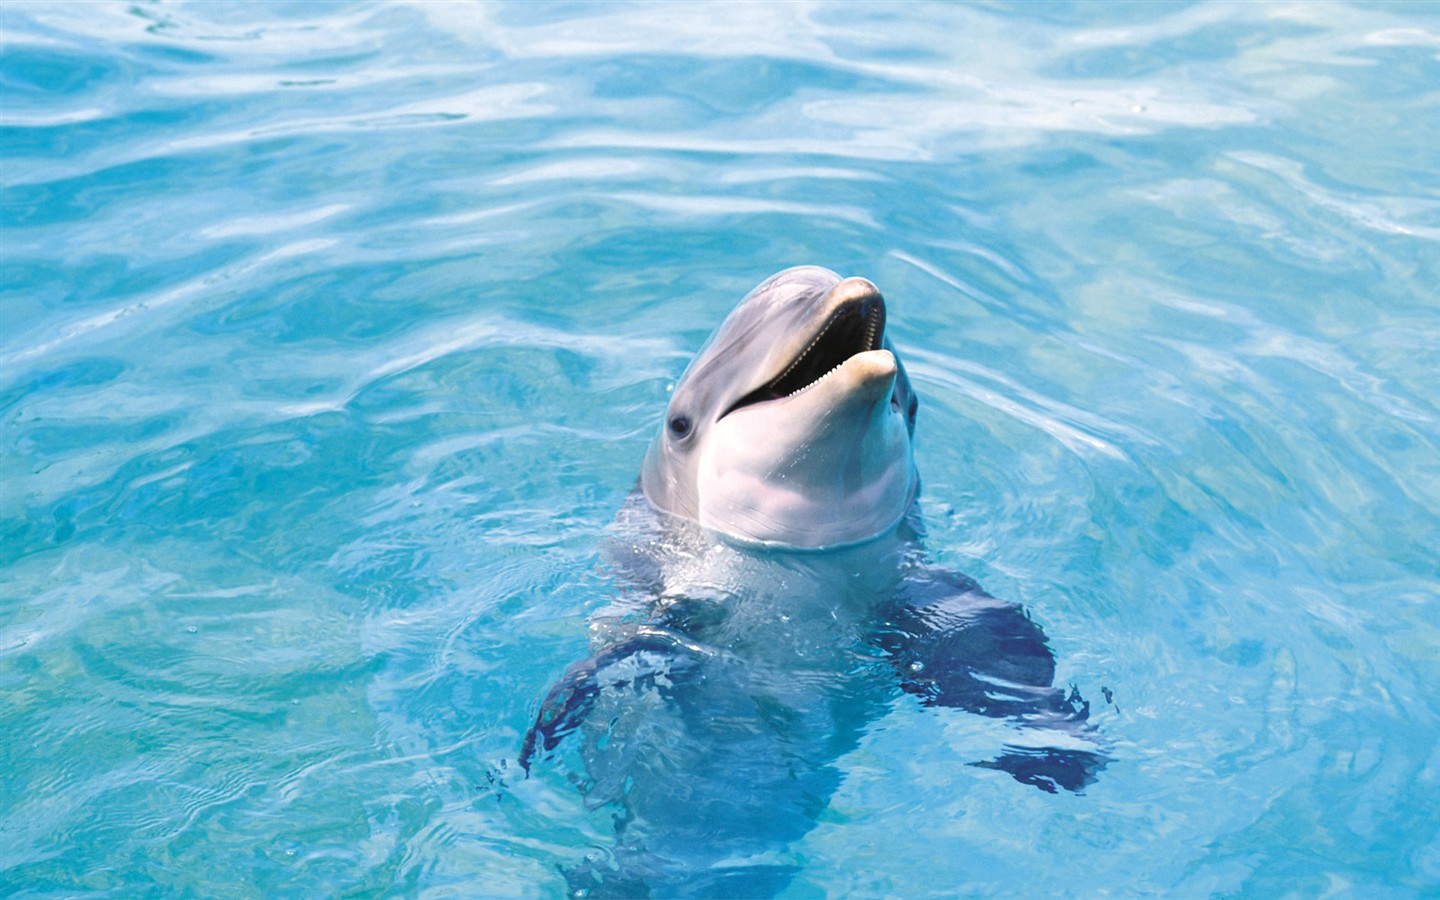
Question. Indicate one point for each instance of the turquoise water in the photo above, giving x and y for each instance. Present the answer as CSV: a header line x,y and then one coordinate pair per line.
x,y
332,336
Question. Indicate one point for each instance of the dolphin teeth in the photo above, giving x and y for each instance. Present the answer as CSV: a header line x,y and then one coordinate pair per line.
x,y
854,327
807,387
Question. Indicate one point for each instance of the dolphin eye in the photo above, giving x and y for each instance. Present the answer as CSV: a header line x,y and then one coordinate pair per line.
x,y
914,406
679,426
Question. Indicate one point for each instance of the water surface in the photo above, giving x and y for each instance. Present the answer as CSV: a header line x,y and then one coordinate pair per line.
x,y
331,336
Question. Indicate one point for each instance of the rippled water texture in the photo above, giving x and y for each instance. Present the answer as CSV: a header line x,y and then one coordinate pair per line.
x,y
331,337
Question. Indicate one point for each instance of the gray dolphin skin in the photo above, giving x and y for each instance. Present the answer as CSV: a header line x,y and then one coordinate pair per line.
x,y
802,364
773,600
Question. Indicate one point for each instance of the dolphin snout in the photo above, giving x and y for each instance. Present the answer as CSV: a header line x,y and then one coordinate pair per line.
x,y
857,290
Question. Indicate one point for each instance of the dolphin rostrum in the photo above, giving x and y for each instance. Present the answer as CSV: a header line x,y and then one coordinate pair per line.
x,y
737,664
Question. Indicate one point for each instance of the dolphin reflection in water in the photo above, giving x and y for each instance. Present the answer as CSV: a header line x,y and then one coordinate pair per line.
x,y
775,595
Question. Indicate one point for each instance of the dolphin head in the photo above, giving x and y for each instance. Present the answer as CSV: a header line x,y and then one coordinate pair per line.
x,y
793,425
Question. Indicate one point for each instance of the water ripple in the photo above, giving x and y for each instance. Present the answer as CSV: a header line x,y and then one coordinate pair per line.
x,y
331,338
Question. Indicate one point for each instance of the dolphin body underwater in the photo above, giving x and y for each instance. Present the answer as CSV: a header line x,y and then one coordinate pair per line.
x,y
774,596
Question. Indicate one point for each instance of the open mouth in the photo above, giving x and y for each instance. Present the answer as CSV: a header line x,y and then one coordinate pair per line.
x,y
857,326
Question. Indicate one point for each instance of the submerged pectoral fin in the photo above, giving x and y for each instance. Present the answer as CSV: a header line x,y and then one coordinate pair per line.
x,y
1049,768
1065,717
641,654
954,645
561,712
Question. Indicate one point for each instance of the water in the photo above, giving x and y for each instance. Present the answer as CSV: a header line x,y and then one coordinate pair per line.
x,y
332,335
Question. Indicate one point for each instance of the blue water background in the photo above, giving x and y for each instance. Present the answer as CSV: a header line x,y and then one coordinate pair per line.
x,y
331,336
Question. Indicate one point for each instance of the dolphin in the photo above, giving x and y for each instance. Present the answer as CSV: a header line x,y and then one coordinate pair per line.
x,y
794,424
774,600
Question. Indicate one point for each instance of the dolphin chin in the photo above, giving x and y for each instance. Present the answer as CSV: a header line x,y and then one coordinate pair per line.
x,y
793,425
832,466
